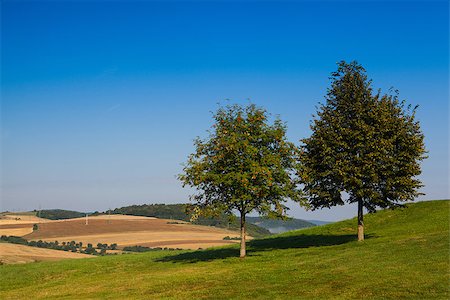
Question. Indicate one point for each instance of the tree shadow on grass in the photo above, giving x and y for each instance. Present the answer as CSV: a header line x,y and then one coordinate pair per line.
x,y
255,246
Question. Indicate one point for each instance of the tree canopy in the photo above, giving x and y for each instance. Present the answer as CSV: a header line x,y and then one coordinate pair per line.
x,y
364,145
245,164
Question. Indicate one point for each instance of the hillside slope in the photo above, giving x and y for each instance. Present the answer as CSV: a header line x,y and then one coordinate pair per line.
x,y
405,255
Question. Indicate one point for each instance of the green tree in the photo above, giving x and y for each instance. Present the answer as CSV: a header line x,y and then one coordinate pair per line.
x,y
364,145
245,164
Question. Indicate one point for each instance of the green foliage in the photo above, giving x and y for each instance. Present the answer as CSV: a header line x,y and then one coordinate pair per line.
x,y
162,211
246,164
102,246
60,214
14,239
35,227
137,249
145,249
228,238
65,246
365,144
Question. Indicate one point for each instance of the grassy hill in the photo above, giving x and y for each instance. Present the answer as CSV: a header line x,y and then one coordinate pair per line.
x,y
405,255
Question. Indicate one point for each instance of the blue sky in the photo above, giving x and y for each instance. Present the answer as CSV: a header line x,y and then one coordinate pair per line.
x,y
100,101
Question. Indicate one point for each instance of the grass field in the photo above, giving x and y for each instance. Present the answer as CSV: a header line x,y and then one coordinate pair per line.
x,y
405,255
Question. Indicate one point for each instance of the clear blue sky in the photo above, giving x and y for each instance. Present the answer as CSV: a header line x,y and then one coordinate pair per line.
x,y
101,100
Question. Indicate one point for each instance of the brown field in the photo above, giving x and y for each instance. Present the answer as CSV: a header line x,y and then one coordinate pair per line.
x,y
120,229
13,254
16,231
20,219
18,225
130,231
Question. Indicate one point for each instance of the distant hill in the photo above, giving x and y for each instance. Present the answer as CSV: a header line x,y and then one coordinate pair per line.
x,y
318,222
178,212
279,226
59,214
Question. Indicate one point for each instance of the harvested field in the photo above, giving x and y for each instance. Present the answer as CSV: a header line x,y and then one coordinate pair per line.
x,y
10,219
130,231
14,254
16,231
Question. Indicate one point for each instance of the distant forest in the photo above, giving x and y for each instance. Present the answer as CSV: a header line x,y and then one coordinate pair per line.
x,y
59,214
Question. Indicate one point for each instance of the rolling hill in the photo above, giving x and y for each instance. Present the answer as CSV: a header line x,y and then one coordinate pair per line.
x,y
405,255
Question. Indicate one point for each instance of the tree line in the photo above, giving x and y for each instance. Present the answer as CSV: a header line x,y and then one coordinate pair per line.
x,y
64,246
365,148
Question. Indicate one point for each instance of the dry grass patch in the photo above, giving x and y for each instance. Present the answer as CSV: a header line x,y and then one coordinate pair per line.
x,y
14,253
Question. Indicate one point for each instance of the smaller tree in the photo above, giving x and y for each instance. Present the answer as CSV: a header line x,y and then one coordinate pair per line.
x,y
246,164
368,146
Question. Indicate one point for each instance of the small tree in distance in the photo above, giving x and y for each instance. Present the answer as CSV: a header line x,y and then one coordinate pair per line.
x,y
246,164
366,145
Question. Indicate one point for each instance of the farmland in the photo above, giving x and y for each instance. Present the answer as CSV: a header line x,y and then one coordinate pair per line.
x,y
117,229
405,255
131,230
13,253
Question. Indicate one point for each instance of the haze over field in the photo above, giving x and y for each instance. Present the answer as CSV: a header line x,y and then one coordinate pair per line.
x,y
101,100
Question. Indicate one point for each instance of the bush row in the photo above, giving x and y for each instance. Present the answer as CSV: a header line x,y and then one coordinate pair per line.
x,y
65,246
146,249
227,238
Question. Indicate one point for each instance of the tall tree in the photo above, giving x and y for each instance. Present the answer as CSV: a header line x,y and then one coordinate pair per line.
x,y
245,164
364,146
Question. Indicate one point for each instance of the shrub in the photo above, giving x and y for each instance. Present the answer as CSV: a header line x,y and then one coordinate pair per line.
x,y
227,238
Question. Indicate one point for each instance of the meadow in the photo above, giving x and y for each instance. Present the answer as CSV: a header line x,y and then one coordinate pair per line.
x,y
405,255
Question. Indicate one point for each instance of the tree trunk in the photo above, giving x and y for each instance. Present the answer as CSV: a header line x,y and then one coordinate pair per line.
x,y
360,220
243,251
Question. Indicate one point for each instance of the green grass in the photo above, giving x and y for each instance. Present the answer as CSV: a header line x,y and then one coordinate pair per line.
x,y
405,255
